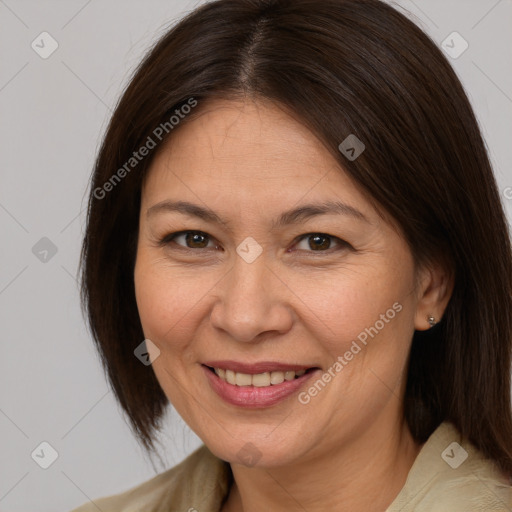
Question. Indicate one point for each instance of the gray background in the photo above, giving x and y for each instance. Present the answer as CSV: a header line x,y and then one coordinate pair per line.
x,y
53,113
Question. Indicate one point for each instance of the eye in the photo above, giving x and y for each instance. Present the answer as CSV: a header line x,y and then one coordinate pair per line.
x,y
319,242
311,242
189,240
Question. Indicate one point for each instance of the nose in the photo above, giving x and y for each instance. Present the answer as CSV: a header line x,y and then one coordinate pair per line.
x,y
251,301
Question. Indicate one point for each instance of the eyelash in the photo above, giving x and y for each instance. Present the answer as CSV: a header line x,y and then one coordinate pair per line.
x,y
167,239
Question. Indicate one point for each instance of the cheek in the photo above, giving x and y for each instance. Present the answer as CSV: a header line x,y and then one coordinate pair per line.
x,y
168,299
357,306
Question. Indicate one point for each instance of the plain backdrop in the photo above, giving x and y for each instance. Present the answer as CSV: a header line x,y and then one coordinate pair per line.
x,y
53,114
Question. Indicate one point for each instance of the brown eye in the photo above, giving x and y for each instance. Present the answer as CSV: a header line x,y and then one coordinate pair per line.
x,y
188,239
319,242
196,240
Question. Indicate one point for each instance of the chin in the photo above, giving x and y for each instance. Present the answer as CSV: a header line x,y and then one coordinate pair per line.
x,y
257,450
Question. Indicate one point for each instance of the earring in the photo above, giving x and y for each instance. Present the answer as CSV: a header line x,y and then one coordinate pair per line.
x,y
431,321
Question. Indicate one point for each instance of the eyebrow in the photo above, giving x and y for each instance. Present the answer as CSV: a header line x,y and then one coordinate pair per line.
x,y
294,216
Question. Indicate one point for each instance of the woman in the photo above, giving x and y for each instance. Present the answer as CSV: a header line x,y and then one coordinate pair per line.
x,y
295,237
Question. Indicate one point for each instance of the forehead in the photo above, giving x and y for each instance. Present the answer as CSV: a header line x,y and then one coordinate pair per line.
x,y
245,134
236,156
253,140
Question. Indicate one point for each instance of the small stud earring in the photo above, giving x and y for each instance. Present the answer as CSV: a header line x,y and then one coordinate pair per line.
x,y
431,321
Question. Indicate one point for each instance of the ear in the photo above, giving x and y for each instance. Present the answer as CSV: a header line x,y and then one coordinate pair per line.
x,y
434,289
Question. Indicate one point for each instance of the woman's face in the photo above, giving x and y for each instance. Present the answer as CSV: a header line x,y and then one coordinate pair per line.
x,y
271,276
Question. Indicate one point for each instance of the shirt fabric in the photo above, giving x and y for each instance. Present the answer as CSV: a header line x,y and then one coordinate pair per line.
x,y
448,475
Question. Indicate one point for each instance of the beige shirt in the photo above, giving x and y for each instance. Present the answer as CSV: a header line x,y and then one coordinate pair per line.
x,y
448,475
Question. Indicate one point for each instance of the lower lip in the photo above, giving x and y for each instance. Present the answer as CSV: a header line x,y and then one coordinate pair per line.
x,y
253,397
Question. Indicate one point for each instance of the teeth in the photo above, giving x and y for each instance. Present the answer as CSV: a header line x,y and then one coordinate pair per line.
x,y
242,379
276,377
258,380
230,377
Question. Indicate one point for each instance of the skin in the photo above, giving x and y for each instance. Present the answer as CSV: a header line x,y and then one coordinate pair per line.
x,y
348,449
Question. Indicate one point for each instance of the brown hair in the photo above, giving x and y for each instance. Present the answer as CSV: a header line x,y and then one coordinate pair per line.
x,y
342,67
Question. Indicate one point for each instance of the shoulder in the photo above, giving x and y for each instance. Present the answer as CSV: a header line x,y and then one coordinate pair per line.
x,y
452,475
200,482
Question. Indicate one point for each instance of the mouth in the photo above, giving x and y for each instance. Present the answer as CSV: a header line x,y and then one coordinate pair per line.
x,y
259,385
259,380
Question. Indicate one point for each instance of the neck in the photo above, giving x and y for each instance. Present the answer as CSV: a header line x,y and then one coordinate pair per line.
x,y
365,474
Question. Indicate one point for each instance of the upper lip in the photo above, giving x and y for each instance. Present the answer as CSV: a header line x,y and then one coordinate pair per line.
x,y
258,367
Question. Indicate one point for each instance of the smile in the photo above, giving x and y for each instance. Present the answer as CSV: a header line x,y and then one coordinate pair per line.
x,y
258,389
258,380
